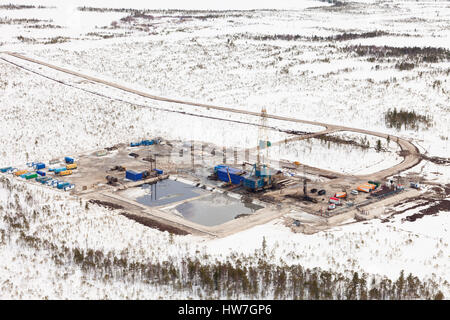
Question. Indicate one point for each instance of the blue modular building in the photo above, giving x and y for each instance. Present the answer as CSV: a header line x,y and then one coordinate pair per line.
x,y
134,176
69,160
39,165
147,142
58,170
236,175
61,185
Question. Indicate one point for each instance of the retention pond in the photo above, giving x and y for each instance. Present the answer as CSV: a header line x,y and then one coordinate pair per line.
x,y
214,209
193,203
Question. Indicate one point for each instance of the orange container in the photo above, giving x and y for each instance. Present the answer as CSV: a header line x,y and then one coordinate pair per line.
x,y
341,194
65,173
371,186
364,188
20,172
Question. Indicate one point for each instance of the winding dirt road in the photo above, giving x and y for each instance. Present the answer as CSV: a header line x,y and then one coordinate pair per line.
x,y
411,154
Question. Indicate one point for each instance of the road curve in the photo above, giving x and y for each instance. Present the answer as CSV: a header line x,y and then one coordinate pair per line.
x,y
411,154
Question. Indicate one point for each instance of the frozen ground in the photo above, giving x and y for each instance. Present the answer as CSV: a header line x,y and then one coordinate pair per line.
x,y
341,157
224,60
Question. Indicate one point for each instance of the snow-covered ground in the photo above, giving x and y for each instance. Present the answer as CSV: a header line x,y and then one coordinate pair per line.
x,y
222,61
341,157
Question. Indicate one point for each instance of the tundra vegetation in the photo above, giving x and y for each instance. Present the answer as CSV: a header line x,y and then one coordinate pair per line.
x,y
243,276
407,119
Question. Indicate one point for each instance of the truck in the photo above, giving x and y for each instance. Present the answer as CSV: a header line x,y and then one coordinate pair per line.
x,y
69,187
54,183
414,185
334,200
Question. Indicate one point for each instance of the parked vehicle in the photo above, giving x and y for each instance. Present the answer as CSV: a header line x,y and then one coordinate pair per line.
x,y
334,200
321,192
354,192
69,187
414,185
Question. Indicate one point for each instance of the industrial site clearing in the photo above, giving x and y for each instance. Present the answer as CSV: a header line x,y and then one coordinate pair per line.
x,y
227,153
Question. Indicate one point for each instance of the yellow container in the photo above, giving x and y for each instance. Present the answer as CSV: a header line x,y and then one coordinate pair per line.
x,y
71,166
65,173
20,172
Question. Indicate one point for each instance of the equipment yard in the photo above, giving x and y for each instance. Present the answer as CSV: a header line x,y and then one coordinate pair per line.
x,y
168,181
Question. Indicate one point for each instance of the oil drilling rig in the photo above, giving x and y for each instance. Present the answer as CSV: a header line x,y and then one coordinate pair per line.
x,y
261,176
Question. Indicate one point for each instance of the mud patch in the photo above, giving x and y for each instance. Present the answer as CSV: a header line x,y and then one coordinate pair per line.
x,y
440,206
437,160
106,204
154,224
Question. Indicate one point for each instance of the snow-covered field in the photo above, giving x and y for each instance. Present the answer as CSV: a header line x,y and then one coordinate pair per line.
x,y
222,60
341,157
